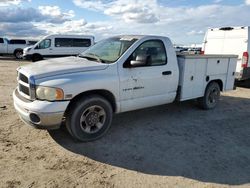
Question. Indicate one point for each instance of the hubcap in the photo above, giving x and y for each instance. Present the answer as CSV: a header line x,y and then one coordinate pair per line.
x,y
92,119
213,96
19,55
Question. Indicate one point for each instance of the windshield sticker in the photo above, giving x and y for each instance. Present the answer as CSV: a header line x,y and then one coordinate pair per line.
x,y
127,38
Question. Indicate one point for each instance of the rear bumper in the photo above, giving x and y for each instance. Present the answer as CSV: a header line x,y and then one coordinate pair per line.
x,y
40,114
246,73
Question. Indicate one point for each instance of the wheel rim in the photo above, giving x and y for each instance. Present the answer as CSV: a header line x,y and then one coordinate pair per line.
x,y
19,55
213,96
92,119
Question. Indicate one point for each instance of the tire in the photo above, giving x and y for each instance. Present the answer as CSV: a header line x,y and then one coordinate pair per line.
x,y
89,118
36,57
211,96
18,54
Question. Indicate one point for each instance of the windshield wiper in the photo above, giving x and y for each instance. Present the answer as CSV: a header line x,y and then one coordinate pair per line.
x,y
92,57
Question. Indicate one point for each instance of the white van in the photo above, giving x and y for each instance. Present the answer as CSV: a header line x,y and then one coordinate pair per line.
x,y
58,46
230,40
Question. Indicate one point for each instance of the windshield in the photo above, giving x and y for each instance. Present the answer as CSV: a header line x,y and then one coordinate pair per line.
x,y
108,50
43,44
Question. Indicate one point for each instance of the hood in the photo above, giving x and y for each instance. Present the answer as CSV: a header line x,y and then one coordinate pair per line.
x,y
27,48
60,66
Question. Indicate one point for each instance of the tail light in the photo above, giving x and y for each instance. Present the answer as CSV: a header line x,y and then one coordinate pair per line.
x,y
202,52
245,58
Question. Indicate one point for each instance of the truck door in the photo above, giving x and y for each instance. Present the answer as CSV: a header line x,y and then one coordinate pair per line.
x,y
3,46
151,83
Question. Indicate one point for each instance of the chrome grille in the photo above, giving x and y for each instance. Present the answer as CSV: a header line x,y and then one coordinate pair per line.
x,y
24,89
23,85
23,78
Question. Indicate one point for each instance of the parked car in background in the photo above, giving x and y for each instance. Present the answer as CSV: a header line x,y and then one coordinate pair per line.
x,y
194,50
32,42
58,46
187,50
230,40
180,49
118,74
13,47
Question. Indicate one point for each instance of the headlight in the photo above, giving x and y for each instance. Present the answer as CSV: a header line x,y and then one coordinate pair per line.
x,y
49,93
26,49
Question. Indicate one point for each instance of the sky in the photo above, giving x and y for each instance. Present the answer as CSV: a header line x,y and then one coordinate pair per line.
x,y
184,21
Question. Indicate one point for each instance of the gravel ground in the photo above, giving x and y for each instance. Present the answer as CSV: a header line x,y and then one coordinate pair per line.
x,y
176,145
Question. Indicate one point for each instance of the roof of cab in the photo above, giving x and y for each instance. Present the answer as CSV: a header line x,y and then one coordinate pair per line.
x,y
138,36
70,36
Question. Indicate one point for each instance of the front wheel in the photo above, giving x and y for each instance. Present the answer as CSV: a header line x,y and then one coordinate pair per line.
x,y
18,54
89,118
211,96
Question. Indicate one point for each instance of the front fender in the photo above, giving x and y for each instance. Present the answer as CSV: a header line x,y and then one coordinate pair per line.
x,y
77,83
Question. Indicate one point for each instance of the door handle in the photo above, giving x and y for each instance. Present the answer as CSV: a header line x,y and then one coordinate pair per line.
x,y
134,78
167,73
50,49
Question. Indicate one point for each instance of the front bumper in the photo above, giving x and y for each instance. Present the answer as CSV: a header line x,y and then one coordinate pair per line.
x,y
40,114
27,56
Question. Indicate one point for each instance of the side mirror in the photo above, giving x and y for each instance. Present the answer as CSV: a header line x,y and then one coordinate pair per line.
x,y
140,61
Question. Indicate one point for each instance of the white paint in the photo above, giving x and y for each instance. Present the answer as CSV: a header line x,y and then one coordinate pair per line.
x,y
77,75
53,50
235,41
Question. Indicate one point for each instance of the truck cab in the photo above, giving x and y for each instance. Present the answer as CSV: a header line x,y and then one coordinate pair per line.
x,y
149,61
2,46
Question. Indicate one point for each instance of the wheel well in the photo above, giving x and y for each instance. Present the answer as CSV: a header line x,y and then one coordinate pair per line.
x,y
218,82
18,49
104,93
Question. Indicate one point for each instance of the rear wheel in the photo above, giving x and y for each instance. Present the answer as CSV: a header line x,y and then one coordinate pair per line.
x,y
89,118
18,54
211,97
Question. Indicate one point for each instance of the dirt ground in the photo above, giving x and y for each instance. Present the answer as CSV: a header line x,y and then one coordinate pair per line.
x,y
176,145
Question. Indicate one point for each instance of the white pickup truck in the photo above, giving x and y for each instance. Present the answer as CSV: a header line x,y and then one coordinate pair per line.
x,y
13,47
118,74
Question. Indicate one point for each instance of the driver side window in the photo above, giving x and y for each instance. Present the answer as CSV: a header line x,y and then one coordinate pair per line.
x,y
151,53
44,44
